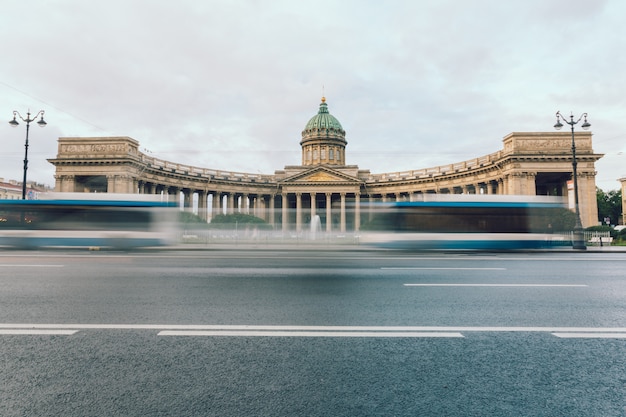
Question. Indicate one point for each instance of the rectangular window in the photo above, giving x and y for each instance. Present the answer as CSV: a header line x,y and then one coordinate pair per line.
x,y
331,154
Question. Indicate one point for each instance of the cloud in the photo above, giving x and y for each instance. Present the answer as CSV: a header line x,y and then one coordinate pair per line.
x,y
230,84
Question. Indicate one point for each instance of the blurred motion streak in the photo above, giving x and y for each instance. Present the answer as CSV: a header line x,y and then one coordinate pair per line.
x,y
466,221
121,221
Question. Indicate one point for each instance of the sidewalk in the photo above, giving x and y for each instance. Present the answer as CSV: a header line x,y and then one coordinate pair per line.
x,y
351,247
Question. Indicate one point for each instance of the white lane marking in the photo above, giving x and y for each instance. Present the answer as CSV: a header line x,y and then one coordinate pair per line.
x,y
498,285
32,265
311,331
590,335
266,333
245,327
428,268
37,332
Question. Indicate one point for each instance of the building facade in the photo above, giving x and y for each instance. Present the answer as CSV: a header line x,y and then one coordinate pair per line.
x,y
323,186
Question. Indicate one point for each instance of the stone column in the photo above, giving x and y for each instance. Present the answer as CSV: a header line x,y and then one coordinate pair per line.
x,y
357,212
257,206
245,202
505,185
285,211
65,184
298,212
587,199
188,200
217,204
313,197
202,205
272,205
531,184
329,212
111,184
173,195
342,226
230,209
120,184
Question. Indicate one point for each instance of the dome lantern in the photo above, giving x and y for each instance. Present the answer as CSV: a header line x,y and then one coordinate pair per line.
x,y
323,139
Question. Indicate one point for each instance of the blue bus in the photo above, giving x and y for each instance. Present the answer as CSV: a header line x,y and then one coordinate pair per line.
x,y
480,222
88,220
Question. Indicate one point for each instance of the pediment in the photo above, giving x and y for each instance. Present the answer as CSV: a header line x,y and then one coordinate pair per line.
x,y
321,175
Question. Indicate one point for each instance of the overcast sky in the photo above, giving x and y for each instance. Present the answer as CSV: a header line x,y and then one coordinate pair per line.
x,y
231,84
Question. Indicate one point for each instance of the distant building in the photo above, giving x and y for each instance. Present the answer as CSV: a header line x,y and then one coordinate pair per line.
x,y
12,190
323,186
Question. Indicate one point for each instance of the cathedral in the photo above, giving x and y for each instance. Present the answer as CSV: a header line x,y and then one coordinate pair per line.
x,y
323,186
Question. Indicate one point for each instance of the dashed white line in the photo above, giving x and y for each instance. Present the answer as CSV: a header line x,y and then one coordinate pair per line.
x,y
440,268
32,265
498,285
265,333
590,335
37,332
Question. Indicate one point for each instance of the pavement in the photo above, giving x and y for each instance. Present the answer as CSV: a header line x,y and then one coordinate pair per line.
x,y
346,246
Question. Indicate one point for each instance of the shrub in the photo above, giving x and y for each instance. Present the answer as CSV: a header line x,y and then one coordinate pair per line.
x,y
238,220
188,220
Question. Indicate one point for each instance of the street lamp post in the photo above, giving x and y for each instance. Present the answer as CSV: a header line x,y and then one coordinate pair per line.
x,y
578,241
27,120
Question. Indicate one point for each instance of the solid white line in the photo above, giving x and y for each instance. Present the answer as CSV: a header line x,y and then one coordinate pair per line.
x,y
37,332
441,268
245,327
590,335
262,333
497,285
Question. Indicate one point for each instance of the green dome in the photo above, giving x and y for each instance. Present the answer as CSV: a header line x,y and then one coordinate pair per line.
x,y
323,120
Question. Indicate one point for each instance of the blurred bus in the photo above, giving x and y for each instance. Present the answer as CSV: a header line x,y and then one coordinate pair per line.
x,y
478,222
90,220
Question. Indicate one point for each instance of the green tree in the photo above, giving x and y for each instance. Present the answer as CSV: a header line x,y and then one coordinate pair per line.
x,y
609,205
562,220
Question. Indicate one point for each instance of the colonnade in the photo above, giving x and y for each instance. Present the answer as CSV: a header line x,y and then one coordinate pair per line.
x,y
294,210
529,164
338,212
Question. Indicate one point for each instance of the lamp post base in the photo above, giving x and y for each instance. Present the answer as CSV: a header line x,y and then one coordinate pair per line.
x,y
578,239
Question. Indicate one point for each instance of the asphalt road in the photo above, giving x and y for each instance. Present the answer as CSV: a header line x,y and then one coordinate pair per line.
x,y
319,333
